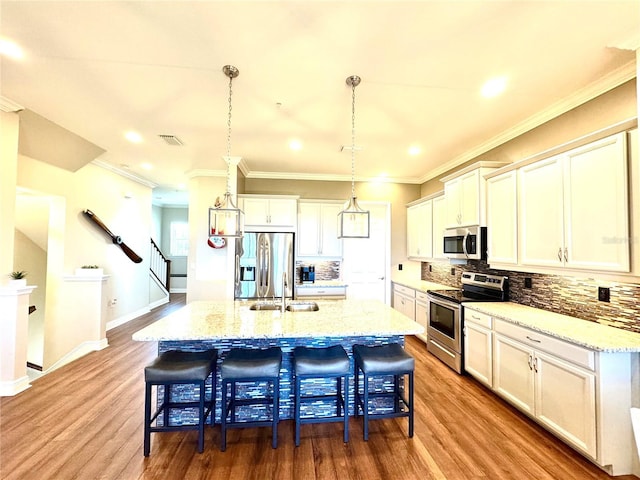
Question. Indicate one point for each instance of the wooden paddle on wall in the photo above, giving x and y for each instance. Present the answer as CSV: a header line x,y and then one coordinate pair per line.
x,y
114,238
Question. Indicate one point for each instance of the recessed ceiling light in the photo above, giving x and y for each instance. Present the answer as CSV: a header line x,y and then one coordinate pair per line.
x,y
10,49
146,166
133,137
295,144
494,87
414,150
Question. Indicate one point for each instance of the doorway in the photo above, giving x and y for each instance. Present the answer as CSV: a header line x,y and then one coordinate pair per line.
x,y
365,263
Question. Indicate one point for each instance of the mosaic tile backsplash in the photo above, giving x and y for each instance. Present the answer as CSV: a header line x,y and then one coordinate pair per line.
x,y
577,297
325,270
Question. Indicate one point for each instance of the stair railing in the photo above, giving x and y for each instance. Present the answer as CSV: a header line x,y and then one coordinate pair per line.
x,y
160,265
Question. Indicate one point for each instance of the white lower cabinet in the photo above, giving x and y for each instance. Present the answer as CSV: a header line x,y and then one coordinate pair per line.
x,y
581,395
548,385
565,400
478,346
404,300
422,314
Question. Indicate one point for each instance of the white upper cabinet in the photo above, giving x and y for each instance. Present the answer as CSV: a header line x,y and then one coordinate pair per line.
x,y
464,194
461,196
573,208
269,213
502,220
541,213
419,230
318,229
596,206
439,217
425,224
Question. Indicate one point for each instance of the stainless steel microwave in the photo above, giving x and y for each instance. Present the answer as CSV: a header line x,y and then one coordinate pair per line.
x,y
466,243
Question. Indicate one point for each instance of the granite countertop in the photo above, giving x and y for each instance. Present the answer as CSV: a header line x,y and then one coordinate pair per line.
x,y
420,285
217,320
592,335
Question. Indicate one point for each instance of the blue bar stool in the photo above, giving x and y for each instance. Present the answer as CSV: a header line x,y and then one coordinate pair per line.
x,y
244,365
322,363
383,360
176,367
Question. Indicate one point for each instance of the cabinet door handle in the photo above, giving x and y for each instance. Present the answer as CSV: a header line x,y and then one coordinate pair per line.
x,y
566,254
534,339
560,254
475,317
535,364
530,361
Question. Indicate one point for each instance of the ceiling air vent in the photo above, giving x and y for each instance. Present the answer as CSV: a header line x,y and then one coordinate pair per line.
x,y
171,140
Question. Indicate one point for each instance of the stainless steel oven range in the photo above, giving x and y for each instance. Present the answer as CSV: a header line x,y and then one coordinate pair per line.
x,y
446,314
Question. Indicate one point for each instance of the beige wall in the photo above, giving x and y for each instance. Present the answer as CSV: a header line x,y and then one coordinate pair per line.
x,y
31,258
9,165
607,109
396,193
74,241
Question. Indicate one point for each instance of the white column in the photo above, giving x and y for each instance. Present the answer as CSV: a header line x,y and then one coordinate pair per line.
x,y
232,169
14,324
9,126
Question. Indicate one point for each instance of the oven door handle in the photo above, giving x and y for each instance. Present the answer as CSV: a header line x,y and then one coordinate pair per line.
x,y
444,303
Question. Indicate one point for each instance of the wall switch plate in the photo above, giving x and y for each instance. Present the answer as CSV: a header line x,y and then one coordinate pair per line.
x,y
603,294
453,271
527,282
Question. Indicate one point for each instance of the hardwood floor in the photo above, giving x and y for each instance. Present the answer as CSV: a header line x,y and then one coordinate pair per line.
x,y
84,421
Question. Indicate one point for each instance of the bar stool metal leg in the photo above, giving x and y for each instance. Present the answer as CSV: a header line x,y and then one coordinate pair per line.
x,y
410,404
276,412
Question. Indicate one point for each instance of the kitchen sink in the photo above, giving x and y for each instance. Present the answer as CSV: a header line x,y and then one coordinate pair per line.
x,y
303,307
264,306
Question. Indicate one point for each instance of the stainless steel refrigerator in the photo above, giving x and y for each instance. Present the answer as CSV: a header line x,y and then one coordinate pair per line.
x,y
261,261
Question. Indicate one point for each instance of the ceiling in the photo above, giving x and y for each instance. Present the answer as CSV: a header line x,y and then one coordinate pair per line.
x,y
100,69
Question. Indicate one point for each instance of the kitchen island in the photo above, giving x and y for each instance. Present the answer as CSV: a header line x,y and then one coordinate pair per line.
x,y
227,324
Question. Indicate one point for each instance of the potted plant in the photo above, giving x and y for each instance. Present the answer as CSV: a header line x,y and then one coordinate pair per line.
x,y
90,271
18,278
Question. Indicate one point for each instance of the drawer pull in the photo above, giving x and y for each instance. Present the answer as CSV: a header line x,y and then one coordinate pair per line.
x,y
533,339
475,317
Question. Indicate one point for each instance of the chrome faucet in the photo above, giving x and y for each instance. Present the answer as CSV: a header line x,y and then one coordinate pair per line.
x,y
283,306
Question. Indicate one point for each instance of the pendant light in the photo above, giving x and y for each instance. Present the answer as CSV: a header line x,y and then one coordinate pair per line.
x,y
353,221
225,219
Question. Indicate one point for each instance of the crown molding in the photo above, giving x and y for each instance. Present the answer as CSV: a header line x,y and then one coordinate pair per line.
x,y
608,82
328,177
124,173
9,106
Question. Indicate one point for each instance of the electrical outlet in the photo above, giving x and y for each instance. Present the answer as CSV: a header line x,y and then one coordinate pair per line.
x,y
603,294
399,266
430,268
453,271
527,282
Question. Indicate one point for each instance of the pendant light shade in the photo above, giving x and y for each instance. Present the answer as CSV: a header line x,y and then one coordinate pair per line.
x,y
353,221
226,220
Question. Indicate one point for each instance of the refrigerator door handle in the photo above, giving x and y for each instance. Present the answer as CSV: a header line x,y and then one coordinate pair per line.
x,y
237,271
265,267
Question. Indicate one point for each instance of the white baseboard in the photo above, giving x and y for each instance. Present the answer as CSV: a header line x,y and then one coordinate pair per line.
x,y
127,318
157,303
178,290
80,351
9,388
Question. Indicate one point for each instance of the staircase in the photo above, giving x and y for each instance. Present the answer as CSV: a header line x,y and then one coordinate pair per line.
x,y
160,267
